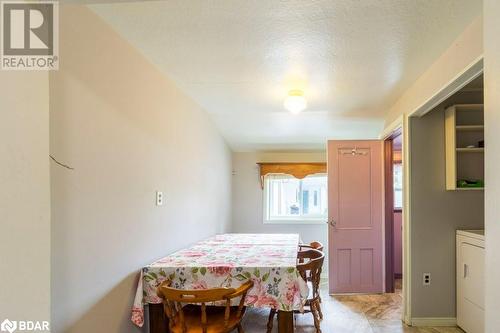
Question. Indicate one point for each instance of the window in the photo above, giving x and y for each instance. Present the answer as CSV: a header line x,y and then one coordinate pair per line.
x,y
291,200
398,186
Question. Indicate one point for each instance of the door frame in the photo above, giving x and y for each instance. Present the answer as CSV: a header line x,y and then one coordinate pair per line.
x,y
389,209
400,126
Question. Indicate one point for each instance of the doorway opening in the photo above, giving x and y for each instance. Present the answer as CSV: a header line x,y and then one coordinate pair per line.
x,y
393,171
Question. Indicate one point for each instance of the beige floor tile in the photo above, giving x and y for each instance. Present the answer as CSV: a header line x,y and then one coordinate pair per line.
x,y
349,314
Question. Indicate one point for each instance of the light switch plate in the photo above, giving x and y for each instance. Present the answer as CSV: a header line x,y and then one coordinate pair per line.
x,y
159,198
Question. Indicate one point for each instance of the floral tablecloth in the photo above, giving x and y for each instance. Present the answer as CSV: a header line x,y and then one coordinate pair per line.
x,y
228,260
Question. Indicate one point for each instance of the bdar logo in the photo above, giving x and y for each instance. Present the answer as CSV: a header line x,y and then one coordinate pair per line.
x,y
8,326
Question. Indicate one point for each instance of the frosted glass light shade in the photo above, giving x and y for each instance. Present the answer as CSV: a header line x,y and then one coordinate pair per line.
x,y
295,102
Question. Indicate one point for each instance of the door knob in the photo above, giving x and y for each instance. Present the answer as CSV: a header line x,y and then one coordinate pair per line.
x,y
333,223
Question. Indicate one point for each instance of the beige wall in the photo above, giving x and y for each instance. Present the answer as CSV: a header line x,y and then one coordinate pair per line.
x,y
248,200
464,51
492,130
127,131
436,214
24,196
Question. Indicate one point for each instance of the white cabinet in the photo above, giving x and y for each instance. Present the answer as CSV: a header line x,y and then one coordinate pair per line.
x,y
464,129
470,280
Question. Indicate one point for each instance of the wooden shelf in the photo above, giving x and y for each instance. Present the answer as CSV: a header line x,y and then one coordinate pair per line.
x,y
470,128
469,107
464,126
470,189
470,150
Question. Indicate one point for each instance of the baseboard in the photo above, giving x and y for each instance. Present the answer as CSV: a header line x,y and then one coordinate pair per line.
x,y
434,321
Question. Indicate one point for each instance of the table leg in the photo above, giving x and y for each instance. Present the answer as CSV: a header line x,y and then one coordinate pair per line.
x,y
285,321
158,322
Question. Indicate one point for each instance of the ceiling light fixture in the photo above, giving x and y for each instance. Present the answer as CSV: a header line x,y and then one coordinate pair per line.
x,y
295,102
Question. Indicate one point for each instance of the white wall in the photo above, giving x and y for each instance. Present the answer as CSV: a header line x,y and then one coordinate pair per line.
x,y
127,131
248,200
492,130
24,196
463,52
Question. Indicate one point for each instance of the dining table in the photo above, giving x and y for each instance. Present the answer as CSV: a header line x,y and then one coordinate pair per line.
x,y
228,260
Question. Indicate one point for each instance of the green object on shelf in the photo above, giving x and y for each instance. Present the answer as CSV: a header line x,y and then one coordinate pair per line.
x,y
463,183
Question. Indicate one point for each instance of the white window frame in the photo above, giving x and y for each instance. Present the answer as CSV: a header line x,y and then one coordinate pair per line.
x,y
283,221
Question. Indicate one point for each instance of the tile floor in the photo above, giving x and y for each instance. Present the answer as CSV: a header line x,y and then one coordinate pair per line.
x,y
349,314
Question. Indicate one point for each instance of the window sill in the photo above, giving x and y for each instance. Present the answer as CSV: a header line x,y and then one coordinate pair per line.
x,y
296,222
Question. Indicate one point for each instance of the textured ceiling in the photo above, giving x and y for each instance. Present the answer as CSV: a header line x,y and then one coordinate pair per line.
x,y
238,59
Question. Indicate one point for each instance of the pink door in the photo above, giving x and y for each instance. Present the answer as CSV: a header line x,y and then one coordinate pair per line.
x,y
355,192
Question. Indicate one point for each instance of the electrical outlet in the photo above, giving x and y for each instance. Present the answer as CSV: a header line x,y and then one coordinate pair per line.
x,y
159,198
427,279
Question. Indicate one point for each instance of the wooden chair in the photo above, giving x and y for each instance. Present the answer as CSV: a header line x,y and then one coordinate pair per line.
x,y
310,270
187,310
313,245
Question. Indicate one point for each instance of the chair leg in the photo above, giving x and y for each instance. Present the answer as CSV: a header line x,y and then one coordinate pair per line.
x,y
318,307
240,329
270,320
314,310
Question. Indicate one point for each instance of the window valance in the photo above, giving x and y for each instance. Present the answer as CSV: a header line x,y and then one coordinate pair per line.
x,y
298,170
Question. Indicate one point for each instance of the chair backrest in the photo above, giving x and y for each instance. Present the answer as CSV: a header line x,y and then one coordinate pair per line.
x,y
317,245
313,245
175,299
310,266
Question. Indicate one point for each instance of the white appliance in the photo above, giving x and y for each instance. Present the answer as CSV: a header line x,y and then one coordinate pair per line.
x,y
470,280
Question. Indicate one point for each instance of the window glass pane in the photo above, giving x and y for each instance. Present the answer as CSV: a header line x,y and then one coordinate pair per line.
x,y
284,197
316,204
291,198
398,186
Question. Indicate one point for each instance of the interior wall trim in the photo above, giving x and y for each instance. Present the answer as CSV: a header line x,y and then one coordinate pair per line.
x,y
458,82
392,127
434,321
